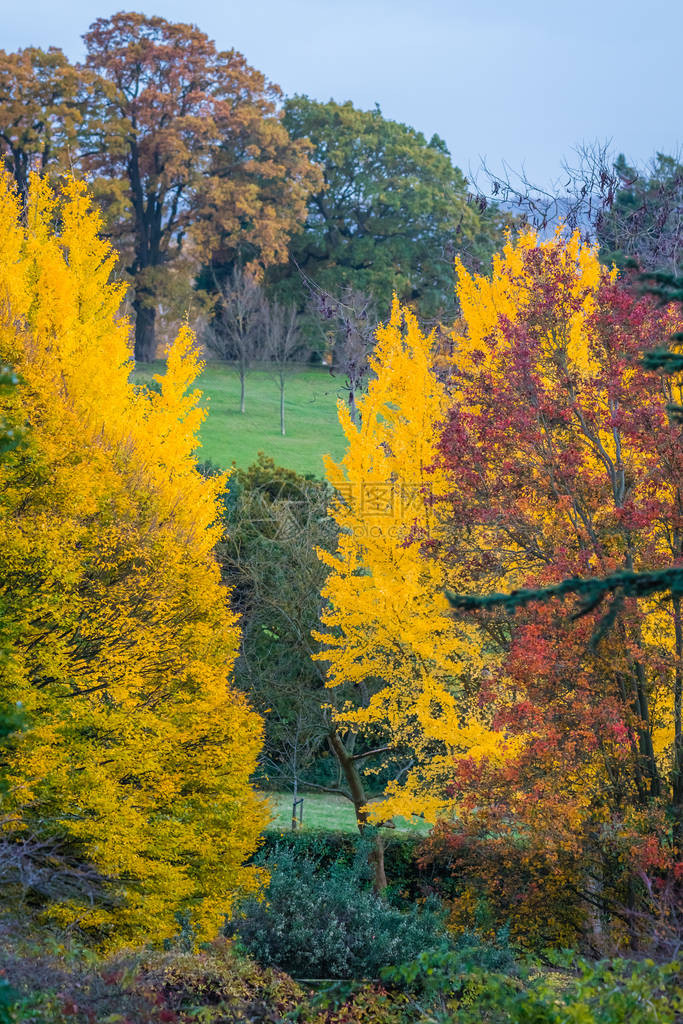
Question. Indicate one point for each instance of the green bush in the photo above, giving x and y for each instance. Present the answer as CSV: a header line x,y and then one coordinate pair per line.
x,y
603,992
406,880
8,999
444,978
473,982
448,970
453,989
319,921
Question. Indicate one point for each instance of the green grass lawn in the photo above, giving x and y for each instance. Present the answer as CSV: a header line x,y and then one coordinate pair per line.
x,y
330,813
312,427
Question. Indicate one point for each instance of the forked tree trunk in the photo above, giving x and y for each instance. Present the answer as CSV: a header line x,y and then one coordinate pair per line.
x,y
357,790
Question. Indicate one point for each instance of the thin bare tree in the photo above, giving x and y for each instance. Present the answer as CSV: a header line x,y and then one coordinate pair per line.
x,y
283,345
237,332
353,321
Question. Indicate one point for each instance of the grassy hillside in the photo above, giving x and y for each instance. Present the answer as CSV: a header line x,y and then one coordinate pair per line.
x,y
310,412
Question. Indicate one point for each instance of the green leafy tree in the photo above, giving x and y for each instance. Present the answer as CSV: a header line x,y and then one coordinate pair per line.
x,y
275,520
392,210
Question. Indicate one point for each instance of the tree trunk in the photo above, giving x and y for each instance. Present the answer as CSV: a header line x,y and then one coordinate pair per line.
x,y
645,730
639,699
376,860
355,784
353,409
243,375
294,803
145,339
21,169
282,406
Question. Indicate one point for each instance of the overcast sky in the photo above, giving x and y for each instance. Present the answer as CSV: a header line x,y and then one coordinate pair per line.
x,y
521,81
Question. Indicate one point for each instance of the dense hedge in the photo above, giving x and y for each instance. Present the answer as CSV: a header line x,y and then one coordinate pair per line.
x,y
404,876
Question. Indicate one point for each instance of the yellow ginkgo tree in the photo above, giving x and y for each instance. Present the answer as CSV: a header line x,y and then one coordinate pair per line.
x,y
386,625
136,758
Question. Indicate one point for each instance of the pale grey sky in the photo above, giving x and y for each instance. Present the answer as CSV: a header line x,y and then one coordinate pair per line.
x,y
524,81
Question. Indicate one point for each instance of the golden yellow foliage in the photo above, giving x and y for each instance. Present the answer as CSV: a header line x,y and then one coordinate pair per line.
x,y
386,624
139,753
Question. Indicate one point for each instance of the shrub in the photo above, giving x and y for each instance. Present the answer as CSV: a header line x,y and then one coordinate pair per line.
x,y
321,921
57,982
8,999
462,986
144,987
604,992
495,881
326,848
454,976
